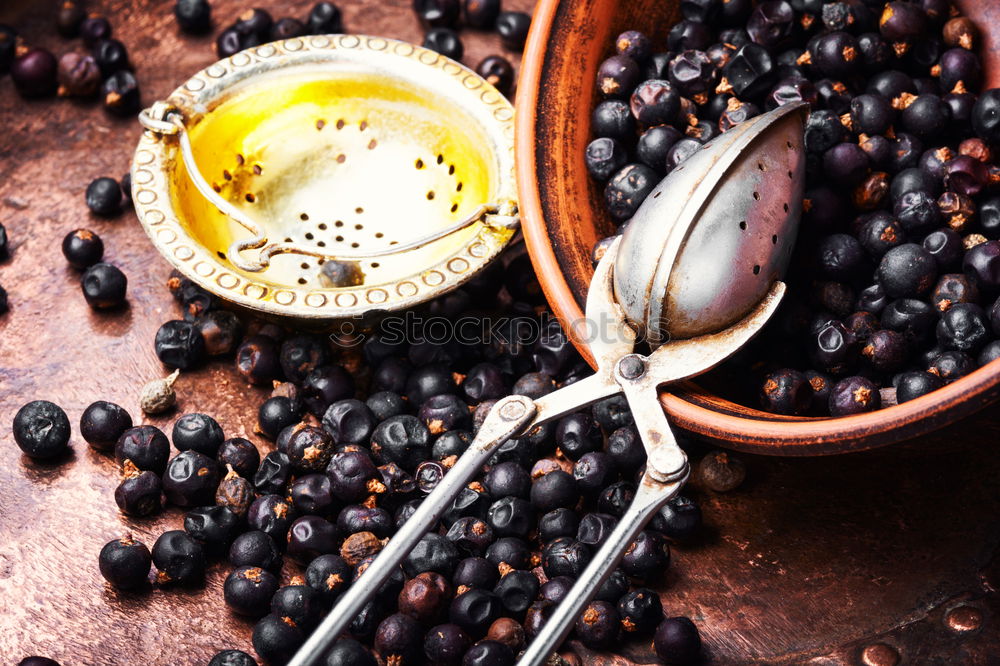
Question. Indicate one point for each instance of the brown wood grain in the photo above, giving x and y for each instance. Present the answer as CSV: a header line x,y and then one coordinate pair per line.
x,y
811,562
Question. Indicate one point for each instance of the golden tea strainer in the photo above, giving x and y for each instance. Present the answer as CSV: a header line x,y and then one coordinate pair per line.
x,y
388,161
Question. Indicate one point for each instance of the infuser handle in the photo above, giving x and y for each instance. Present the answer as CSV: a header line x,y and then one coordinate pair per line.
x,y
504,420
649,498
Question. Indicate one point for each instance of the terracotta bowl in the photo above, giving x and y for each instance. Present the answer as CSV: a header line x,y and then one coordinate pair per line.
x,y
563,217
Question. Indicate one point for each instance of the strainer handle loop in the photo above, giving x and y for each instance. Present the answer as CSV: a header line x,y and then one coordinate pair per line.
x,y
164,119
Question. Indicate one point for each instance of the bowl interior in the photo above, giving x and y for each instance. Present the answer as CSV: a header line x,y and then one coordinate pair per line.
x,y
336,158
556,94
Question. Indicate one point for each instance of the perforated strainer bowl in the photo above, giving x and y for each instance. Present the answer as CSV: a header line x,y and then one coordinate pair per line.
x,y
265,165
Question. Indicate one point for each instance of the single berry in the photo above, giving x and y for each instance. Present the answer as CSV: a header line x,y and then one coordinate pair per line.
x,y
125,563
104,286
41,430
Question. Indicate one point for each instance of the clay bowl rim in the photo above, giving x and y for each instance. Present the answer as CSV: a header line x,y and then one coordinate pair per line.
x,y
688,406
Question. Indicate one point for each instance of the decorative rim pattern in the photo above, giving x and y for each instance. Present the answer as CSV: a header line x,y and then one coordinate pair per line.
x,y
155,156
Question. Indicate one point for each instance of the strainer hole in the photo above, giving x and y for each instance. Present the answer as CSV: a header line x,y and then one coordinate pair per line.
x,y
791,175
458,188
756,269
393,242
355,245
340,124
440,159
430,195
321,243
789,144
302,280
320,124
341,158
239,159
217,188
774,240
257,170
227,175
359,210
363,126
454,207
656,194
374,264
379,234
743,225
359,227
372,144
451,169
419,163
250,197
288,240
309,236
222,255
339,239
321,226
338,223
305,266
756,195
760,165
303,217
785,206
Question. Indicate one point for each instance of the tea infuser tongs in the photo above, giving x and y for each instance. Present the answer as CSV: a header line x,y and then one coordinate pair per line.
x,y
760,152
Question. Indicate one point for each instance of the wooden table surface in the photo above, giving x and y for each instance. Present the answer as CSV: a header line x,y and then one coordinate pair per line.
x,y
863,559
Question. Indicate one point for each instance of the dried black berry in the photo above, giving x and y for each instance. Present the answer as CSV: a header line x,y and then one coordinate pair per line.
x,y
70,16
178,559
93,29
193,16
513,29
241,455
311,536
111,56
35,73
598,625
104,197
677,641
198,432
179,345
276,414
273,515
444,41
140,492
104,286
324,18
274,473
854,395
191,479
232,658
276,639
120,93
146,446
82,248
125,563
496,69
102,423
255,549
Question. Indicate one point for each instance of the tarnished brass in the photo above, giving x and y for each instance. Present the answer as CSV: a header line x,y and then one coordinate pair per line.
x,y
328,147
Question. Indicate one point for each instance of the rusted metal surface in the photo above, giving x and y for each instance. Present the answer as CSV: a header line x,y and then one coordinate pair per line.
x,y
821,561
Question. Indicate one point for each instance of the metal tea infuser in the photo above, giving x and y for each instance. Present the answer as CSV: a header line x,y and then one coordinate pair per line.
x,y
696,275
